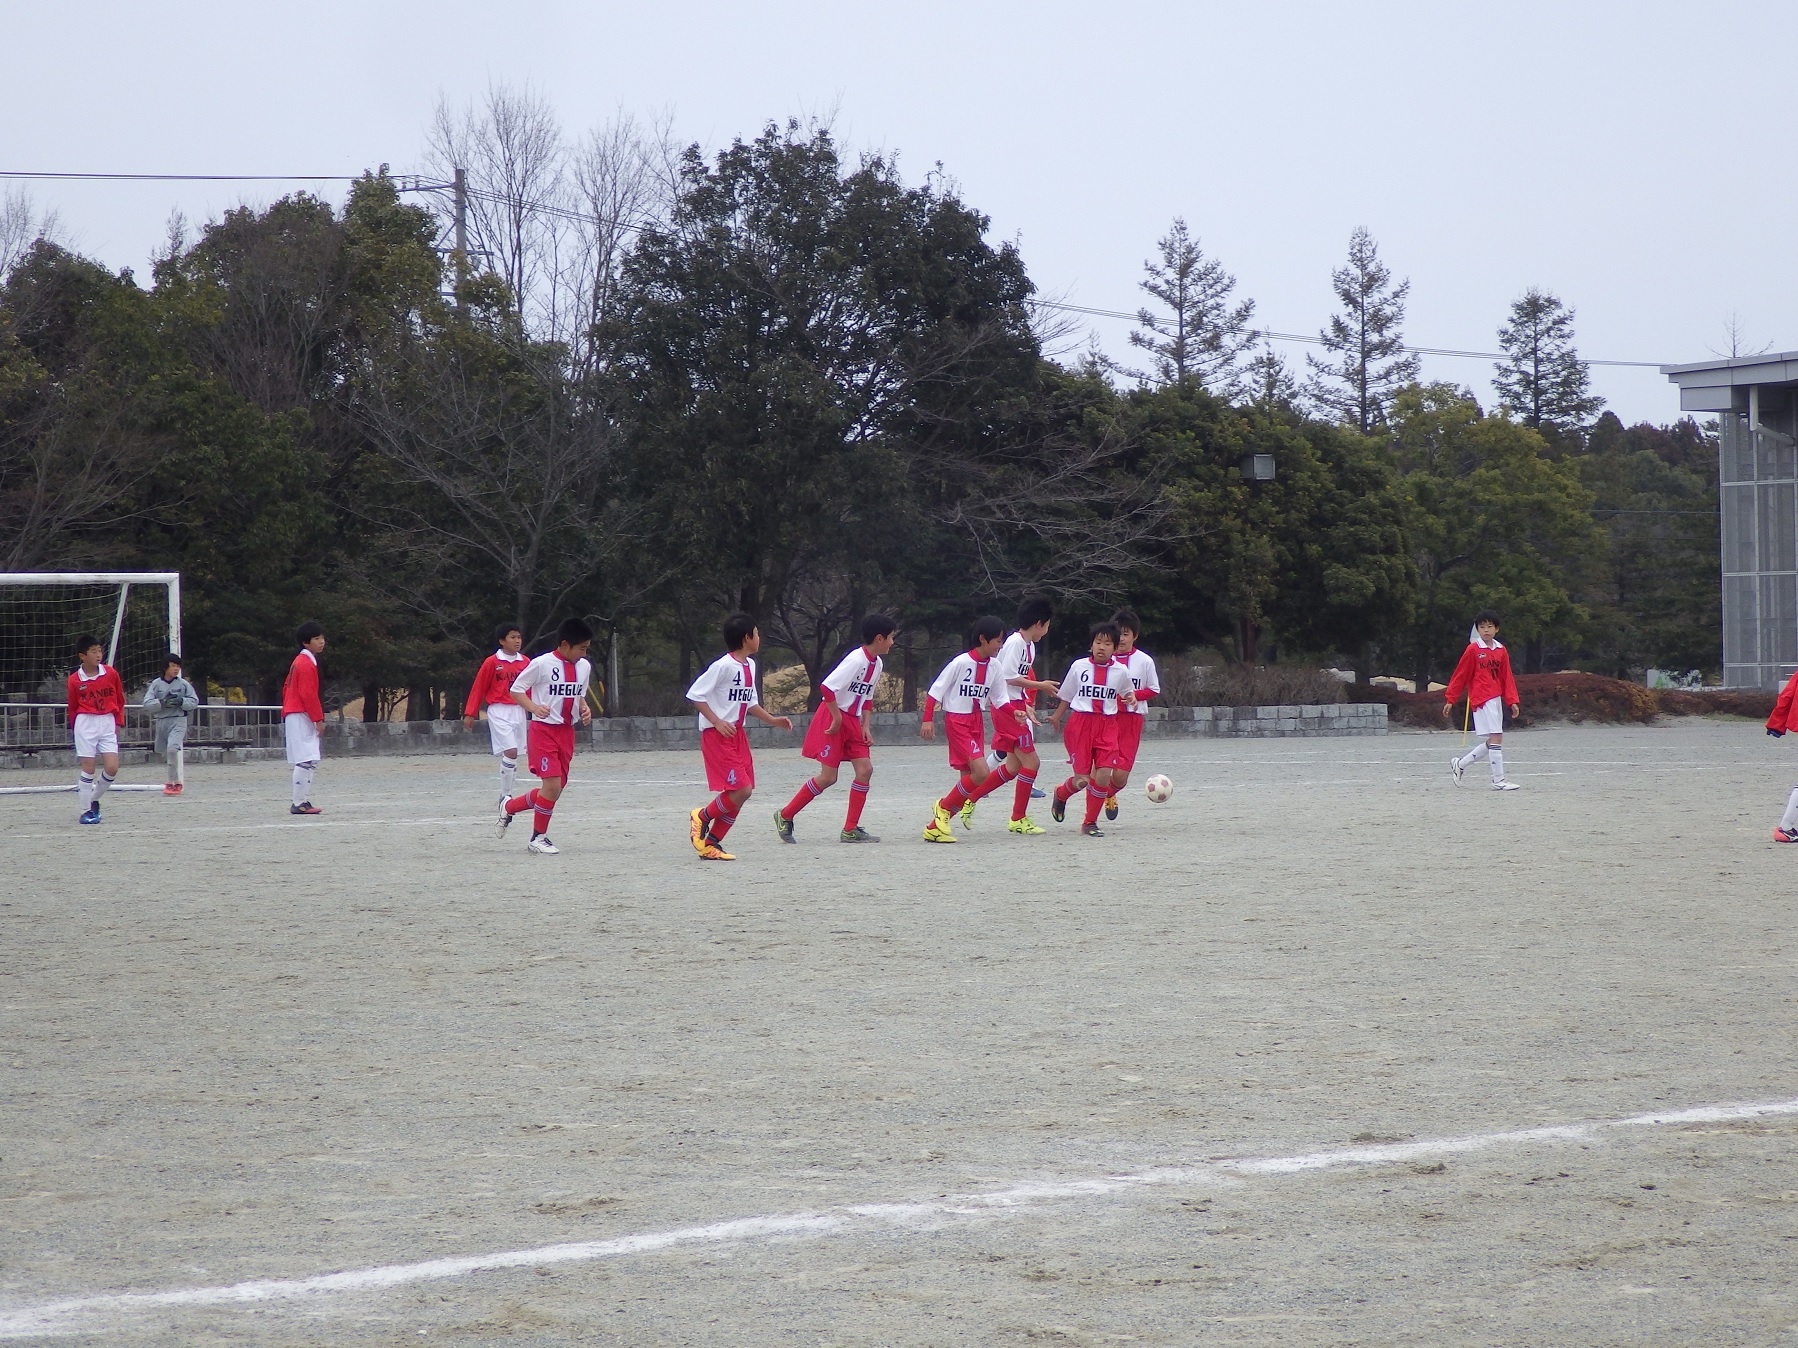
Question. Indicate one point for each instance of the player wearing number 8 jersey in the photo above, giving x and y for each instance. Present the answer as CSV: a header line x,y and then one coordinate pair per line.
x,y
726,698
838,733
553,689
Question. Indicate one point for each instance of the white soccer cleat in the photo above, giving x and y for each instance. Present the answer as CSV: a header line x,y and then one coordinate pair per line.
x,y
504,796
505,820
543,847
1454,766
1505,786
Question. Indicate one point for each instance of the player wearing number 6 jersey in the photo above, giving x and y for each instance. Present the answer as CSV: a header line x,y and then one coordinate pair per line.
x,y
839,732
726,697
553,689
962,690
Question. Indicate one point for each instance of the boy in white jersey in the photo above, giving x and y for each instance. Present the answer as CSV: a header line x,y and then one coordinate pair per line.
x,y
962,689
492,689
726,698
553,689
1014,732
1146,680
838,733
1094,689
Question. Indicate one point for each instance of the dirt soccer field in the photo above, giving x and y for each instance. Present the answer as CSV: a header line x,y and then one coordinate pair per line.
x,y
1326,1050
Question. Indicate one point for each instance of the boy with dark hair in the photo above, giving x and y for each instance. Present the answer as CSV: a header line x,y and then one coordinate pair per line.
x,y
1146,680
1484,674
96,711
303,715
726,697
1011,681
553,689
492,689
170,697
839,732
1094,689
1784,718
962,689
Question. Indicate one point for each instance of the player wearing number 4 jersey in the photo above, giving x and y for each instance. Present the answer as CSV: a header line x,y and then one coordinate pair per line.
x,y
553,689
1145,679
838,733
726,698
962,690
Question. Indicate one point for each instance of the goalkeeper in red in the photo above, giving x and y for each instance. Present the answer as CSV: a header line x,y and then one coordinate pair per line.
x,y
1484,675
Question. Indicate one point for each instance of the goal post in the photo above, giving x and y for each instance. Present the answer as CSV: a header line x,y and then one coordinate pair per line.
x,y
136,615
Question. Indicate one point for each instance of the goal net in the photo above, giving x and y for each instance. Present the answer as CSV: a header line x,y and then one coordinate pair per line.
x,y
135,615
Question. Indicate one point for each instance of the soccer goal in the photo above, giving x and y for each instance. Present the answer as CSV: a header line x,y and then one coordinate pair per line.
x,y
135,614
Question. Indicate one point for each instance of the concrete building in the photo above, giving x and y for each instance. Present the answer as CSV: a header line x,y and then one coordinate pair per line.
x,y
1755,401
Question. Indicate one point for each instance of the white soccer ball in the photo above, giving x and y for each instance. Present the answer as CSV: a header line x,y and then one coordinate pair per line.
x,y
1158,788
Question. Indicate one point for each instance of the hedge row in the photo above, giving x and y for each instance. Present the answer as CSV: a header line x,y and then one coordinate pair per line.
x,y
1578,698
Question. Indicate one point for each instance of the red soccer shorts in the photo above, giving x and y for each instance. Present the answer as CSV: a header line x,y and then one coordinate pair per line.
x,y
550,750
845,746
966,733
1013,732
1129,738
1092,742
729,766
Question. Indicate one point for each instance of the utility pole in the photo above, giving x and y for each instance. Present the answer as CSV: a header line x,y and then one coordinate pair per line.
x,y
461,254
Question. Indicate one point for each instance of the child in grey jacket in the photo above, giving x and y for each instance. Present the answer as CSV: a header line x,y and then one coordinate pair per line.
x,y
169,699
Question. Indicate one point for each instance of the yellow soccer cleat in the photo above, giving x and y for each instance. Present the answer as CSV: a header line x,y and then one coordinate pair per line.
x,y
712,852
698,832
967,815
939,818
939,833
1026,826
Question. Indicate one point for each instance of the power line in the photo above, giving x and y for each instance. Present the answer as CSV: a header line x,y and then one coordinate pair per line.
x,y
562,212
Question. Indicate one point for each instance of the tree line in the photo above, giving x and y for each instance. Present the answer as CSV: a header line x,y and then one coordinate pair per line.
x,y
659,385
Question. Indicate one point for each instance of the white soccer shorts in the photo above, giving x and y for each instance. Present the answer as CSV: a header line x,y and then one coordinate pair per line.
x,y
302,738
507,727
1489,717
95,735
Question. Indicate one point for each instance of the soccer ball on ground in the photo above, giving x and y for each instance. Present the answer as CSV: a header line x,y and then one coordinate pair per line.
x,y
1158,788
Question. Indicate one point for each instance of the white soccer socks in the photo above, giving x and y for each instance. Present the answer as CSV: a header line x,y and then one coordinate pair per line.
x,y
302,782
84,786
106,780
1475,754
508,774
1498,766
1790,817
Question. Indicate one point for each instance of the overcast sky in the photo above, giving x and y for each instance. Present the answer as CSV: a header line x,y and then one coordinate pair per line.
x,y
1619,154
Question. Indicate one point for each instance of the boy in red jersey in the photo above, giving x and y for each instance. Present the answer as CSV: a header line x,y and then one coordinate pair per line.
x,y
839,732
303,716
962,689
553,689
492,689
1010,686
1784,718
726,697
1146,680
1484,674
1094,690
96,711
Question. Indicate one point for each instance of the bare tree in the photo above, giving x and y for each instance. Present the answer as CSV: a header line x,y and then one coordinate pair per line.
x,y
21,226
1737,341
518,203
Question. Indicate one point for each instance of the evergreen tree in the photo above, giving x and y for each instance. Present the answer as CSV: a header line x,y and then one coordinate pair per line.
x,y
1199,341
1542,380
1364,340
1269,385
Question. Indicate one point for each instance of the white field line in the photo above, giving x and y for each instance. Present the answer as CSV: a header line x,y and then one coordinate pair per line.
x,y
92,1313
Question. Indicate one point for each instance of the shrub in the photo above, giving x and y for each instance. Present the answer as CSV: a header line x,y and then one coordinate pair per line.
x,y
1270,685
1576,697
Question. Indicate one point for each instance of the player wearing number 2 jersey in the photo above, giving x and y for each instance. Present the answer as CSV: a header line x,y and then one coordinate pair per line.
x,y
839,731
726,698
963,689
553,689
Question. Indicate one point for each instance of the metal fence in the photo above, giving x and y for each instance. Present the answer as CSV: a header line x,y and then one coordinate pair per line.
x,y
44,725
